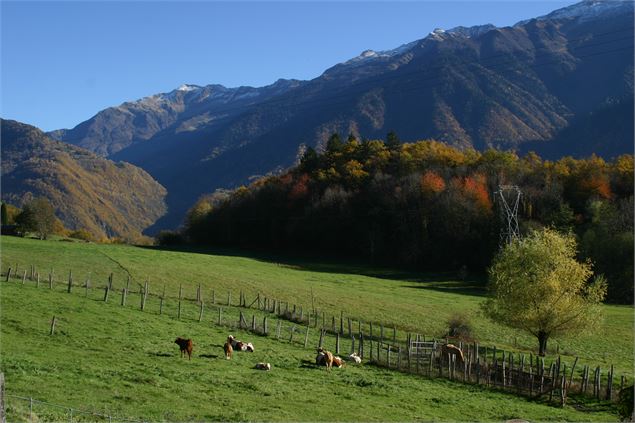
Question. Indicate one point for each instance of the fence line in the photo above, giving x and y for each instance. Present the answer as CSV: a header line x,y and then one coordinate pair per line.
x,y
381,348
71,411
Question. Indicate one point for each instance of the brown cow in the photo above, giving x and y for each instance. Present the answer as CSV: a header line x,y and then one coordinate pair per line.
x,y
228,350
186,346
452,350
327,359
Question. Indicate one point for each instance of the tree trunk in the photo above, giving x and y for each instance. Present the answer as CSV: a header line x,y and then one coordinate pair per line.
x,y
542,341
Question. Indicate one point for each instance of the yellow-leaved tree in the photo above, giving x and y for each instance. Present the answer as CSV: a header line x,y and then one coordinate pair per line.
x,y
537,285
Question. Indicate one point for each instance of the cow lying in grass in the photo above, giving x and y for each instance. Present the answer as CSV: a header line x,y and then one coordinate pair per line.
x,y
240,345
354,358
186,346
263,366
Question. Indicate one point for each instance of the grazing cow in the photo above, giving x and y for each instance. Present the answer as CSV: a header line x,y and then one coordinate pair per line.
x,y
263,366
228,350
452,350
355,358
186,346
328,358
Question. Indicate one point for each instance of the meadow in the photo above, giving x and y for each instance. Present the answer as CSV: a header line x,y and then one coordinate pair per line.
x,y
121,360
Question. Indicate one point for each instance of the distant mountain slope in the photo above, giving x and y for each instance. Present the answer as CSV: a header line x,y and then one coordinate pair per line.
x,y
187,108
87,191
476,87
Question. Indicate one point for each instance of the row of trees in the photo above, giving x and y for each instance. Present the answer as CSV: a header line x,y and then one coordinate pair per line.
x,y
426,205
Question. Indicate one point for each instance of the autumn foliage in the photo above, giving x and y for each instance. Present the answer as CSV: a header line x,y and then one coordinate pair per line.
x,y
424,205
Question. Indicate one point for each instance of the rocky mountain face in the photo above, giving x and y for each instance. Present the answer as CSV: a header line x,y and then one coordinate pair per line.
x,y
87,191
528,85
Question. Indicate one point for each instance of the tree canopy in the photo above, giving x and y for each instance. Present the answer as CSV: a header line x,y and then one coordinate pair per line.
x,y
538,286
424,205
37,216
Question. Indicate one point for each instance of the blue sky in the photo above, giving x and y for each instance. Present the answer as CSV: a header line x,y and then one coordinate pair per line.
x,y
62,62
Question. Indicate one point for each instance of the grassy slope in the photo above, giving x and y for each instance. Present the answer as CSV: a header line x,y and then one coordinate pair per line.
x,y
120,361
418,303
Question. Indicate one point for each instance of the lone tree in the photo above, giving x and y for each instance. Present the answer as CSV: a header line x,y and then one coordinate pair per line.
x,y
37,216
537,286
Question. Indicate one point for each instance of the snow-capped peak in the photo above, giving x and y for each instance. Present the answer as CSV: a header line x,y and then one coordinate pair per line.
x,y
187,87
587,10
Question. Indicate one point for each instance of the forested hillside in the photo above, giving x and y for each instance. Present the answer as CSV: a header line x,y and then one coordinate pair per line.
x,y
87,191
425,205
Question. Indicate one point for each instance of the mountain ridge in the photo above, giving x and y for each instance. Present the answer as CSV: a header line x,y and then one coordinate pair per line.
x,y
482,87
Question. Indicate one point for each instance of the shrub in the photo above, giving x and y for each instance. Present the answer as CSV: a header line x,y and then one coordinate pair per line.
x,y
169,238
459,327
82,234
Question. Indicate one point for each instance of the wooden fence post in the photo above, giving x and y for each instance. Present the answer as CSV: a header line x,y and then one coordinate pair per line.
x,y
200,313
6,280
178,316
51,279
24,277
321,338
3,417
572,370
253,322
278,329
337,343
106,291
306,337
264,325
161,300
341,322
70,281
350,328
609,386
123,296
53,325
142,293
360,351
37,279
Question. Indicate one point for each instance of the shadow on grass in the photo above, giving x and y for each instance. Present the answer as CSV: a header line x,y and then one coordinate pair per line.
x,y
447,281
308,364
161,354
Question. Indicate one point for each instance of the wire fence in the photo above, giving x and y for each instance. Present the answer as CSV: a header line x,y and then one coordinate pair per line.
x,y
378,343
74,414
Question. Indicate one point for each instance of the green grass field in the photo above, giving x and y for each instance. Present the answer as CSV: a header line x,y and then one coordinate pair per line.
x,y
124,361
